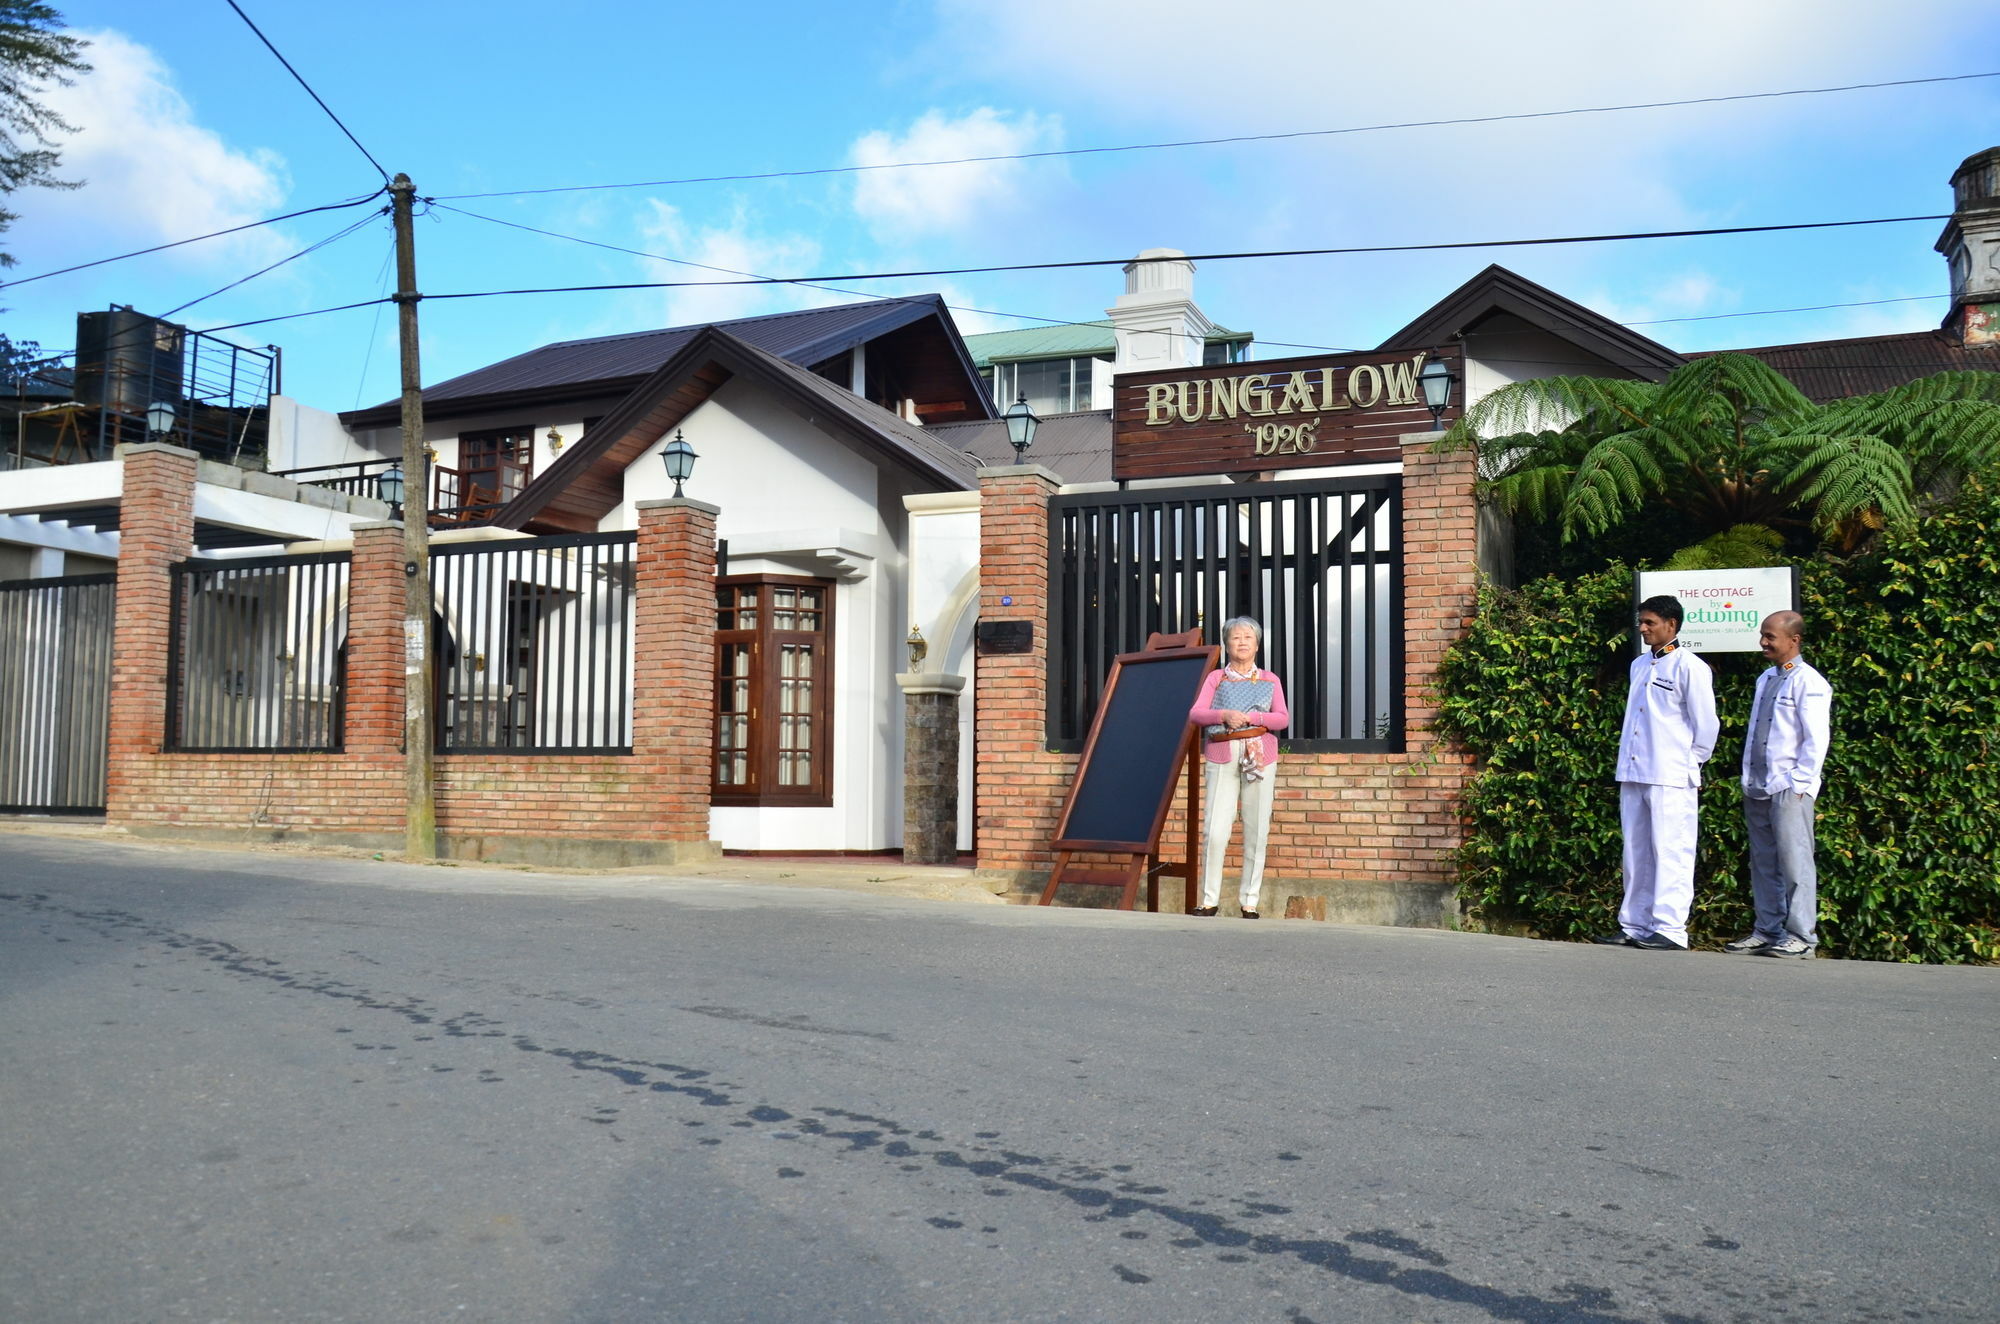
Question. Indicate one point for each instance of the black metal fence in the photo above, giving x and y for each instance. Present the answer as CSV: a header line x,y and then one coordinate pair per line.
x,y
258,659
534,647
356,477
55,693
1318,562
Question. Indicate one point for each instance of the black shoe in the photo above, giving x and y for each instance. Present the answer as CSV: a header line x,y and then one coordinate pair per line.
x,y
1250,914
1614,940
1653,942
1202,910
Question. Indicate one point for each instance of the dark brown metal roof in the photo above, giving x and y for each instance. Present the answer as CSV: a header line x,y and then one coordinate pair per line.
x,y
1498,290
1830,369
1076,446
613,364
587,481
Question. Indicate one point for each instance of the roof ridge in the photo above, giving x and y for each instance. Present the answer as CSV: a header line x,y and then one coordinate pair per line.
x,y
735,321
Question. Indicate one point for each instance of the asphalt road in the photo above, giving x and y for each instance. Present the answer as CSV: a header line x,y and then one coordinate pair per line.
x,y
264,1088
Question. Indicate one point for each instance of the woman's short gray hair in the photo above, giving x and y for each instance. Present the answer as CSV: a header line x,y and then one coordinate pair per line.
x,y
1235,623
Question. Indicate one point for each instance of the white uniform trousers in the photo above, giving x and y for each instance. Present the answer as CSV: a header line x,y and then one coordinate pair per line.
x,y
1227,791
1661,824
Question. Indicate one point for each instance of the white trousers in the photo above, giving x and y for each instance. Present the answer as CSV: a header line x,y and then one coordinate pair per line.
x,y
1661,824
1226,792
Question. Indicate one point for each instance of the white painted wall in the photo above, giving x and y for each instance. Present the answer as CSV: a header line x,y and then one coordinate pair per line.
x,y
303,437
944,604
795,499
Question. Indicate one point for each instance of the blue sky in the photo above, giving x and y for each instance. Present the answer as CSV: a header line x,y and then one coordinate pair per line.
x,y
188,125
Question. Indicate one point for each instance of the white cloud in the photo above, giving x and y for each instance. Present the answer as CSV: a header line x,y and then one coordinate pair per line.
x,y
734,247
151,173
939,199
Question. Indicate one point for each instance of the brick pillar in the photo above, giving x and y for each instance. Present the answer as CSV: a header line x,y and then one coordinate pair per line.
x,y
155,531
930,766
375,640
1018,782
1440,570
673,673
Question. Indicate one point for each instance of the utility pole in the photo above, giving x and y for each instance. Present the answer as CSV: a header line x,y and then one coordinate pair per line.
x,y
420,824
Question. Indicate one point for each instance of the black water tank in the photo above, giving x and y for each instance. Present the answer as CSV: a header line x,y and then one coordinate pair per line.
x,y
127,361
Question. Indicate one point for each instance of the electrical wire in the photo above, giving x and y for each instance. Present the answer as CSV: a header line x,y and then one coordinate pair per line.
x,y
181,243
1194,257
336,236
1217,142
317,100
1060,321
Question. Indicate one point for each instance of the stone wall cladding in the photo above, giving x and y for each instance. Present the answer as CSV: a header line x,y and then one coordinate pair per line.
x,y
1383,817
655,798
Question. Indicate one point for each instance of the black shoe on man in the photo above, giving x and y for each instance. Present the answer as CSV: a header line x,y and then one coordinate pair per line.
x,y
1614,940
1654,942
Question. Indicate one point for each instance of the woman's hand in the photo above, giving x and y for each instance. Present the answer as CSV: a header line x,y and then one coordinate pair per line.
x,y
1233,718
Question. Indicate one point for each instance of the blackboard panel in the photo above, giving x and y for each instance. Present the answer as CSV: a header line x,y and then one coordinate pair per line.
x,y
1130,761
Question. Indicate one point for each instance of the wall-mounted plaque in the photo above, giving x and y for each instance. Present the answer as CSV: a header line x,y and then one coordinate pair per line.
x,y
996,637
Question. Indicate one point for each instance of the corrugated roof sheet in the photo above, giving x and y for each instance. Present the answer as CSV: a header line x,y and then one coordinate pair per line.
x,y
1067,339
1076,446
1830,369
806,336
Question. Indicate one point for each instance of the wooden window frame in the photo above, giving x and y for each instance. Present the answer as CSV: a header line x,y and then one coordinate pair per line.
x,y
763,790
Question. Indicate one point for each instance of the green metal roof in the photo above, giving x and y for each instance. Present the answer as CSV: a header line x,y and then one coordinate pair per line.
x,y
1068,340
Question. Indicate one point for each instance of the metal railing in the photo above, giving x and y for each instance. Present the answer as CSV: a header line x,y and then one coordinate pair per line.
x,y
55,693
258,658
535,646
356,478
1318,562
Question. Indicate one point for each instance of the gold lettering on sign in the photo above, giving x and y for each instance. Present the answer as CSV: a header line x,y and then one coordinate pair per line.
x,y
1159,400
1190,400
1328,400
1255,394
1402,380
1283,438
1298,394
1365,395
1222,398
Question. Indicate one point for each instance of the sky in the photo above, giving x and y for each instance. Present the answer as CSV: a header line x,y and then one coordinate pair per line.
x,y
187,125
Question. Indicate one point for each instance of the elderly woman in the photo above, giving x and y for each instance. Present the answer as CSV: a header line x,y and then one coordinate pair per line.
x,y
1240,705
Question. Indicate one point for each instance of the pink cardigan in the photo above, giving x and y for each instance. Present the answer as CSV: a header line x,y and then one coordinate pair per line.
x,y
1204,714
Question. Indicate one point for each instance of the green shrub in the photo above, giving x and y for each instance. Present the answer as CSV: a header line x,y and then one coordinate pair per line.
x,y
1909,820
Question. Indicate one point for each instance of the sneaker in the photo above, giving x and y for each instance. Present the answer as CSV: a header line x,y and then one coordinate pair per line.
x,y
1749,942
1612,940
1789,945
1654,942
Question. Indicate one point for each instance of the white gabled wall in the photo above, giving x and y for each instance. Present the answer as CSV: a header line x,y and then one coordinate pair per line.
x,y
796,500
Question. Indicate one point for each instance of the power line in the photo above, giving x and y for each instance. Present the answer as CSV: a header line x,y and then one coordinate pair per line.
x,y
335,237
1194,257
1809,308
180,243
1218,142
309,90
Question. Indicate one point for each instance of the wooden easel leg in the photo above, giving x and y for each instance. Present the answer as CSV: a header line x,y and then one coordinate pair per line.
x,y
1153,884
1055,879
1133,872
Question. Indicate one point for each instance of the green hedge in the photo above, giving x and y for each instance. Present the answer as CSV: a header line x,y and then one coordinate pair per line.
x,y
1909,819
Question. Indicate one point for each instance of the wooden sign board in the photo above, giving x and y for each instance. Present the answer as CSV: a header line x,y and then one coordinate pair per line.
x,y
1298,413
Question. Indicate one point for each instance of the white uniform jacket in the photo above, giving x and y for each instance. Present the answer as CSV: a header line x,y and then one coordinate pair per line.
x,y
1801,729
1670,722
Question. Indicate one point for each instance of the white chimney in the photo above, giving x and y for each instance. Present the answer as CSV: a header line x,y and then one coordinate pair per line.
x,y
1155,320
1971,244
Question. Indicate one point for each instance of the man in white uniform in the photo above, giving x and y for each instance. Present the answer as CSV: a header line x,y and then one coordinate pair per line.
x,y
1790,728
1669,732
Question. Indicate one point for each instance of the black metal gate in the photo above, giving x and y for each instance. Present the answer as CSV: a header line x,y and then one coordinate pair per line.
x,y
55,693
1318,562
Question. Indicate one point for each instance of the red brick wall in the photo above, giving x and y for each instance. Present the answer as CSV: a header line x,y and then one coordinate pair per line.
x,y
1388,817
651,805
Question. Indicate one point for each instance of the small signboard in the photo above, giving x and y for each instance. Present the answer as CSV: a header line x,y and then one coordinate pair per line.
x,y
996,638
1723,607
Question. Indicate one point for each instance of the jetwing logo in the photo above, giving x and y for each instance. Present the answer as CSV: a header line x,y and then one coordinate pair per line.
x,y
1725,615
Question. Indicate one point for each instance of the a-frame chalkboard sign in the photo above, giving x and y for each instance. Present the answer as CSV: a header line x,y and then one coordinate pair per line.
x,y
1139,744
